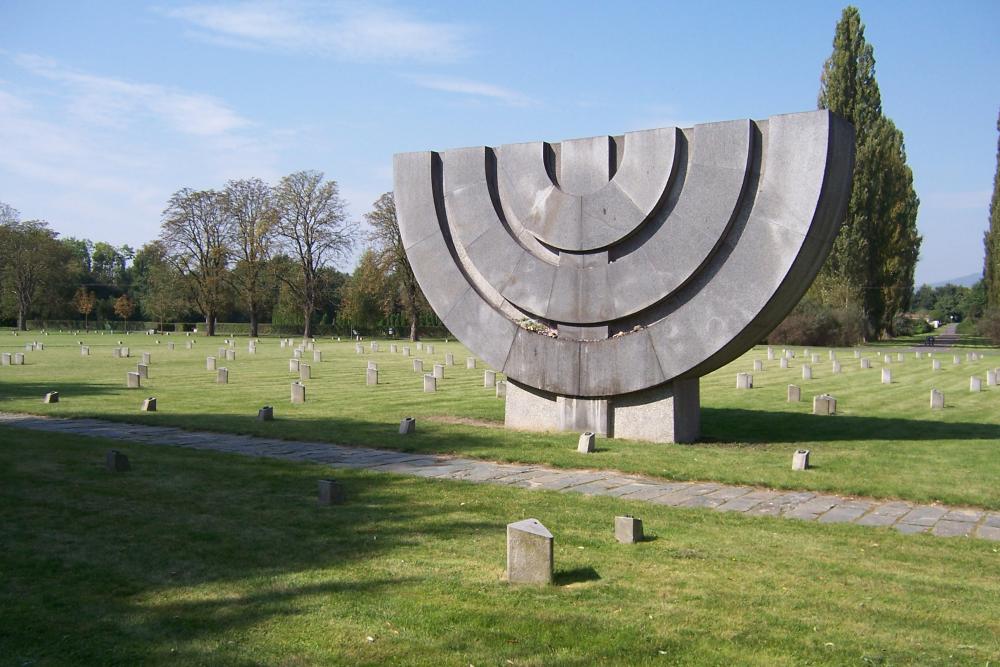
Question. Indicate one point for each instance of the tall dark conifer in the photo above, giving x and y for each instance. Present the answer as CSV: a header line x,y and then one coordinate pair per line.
x,y
991,266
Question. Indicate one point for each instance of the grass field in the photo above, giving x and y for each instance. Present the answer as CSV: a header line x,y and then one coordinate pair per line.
x,y
196,557
884,442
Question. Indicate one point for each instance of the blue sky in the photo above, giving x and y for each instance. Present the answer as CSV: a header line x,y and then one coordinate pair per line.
x,y
106,108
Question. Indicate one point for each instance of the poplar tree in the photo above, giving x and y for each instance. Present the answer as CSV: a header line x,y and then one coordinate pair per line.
x,y
991,239
873,258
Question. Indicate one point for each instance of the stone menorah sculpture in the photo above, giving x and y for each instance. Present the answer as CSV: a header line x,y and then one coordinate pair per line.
x,y
604,276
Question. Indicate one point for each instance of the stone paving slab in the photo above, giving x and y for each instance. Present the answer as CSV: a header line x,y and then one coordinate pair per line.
x,y
905,517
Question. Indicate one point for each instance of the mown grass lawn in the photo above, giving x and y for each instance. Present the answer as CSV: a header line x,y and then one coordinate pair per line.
x,y
195,557
884,442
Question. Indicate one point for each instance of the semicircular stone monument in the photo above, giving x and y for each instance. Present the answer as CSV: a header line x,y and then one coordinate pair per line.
x,y
605,275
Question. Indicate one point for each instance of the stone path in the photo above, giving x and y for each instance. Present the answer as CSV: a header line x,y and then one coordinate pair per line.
x,y
945,336
904,516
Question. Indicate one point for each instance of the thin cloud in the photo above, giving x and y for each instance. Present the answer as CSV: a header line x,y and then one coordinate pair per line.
x,y
112,102
474,89
347,31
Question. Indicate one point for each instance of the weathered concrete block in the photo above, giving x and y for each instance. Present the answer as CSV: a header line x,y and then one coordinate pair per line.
x,y
585,445
371,377
886,376
407,425
489,378
758,365
529,553
330,492
935,365
132,380
149,404
937,399
866,363
146,356
209,363
824,404
305,372
800,459
266,414
430,383
222,376
744,381
807,372
116,461
439,371
298,392
51,397
293,365
628,529
794,393
470,363
975,383
142,370
418,366
501,389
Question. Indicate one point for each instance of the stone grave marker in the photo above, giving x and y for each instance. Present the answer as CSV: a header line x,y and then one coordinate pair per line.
x,y
439,371
866,363
51,397
975,383
146,356
800,459
406,351
956,360
330,492
372,366
296,353
489,378
628,529
758,365
991,378
392,348
770,353
585,444
149,404
420,346
794,393
293,365
937,399
170,346
430,349
116,352
783,362
5,359
407,426
132,380
209,363
305,372
824,404
430,383
899,357
19,358
744,381
935,364
501,391
835,367
298,392
418,366
814,358
886,376
222,376
142,370
371,377
317,356
266,414
449,359
470,363
529,553
116,461
807,372
358,349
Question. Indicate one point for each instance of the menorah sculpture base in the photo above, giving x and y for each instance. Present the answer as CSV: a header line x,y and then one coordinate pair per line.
x,y
667,413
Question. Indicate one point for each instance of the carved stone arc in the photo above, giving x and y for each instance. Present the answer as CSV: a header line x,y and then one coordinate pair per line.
x,y
650,259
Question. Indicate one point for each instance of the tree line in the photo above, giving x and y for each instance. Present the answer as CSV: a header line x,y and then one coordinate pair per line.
x,y
251,252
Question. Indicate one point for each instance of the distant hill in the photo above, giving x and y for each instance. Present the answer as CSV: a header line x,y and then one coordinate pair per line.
x,y
964,281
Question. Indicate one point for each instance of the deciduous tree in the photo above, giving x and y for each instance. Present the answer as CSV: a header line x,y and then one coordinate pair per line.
x,y
124,307
84,302
253,220
390,257
31,260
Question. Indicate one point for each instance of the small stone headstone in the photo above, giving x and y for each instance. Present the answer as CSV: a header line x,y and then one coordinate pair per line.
x,y
899,357
132,380
991,378
296,353
372,366
149,404
116,352
115,461
744,381
628,529
371,377
866,363
293,365
317,356
529,553
439,371
794,393
125,352
937,399
418,366
770,354
956,360
51,397
230,355
975,383
406,351
142,370
330,492
758,365
470,363
935,364
392,348
221,352
585,445
5,359
265,414
298,392
430,383
783,362
358,349
19,358
170,346
489,378
501,389
420,346
407,425
305,372
833,355
800,459
886,376
145,358
807,372
222,376
189,345
209,363
824,404
449,359
430,349
814,358
835,367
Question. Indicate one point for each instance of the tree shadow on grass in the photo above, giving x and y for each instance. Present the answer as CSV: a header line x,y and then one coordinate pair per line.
x,y
575,576
22,390
732,425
